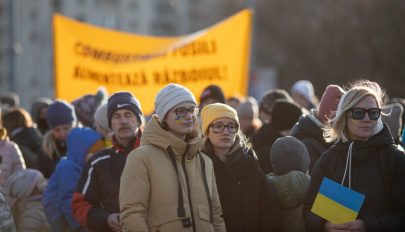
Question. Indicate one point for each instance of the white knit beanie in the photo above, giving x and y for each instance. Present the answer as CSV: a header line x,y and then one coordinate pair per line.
x,y
100,117
170,96
305,88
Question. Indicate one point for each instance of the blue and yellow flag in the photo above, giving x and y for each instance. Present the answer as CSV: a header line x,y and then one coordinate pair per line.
x,y
337,203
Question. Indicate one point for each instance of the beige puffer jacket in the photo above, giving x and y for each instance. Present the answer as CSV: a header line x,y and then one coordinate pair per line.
x,y
149,192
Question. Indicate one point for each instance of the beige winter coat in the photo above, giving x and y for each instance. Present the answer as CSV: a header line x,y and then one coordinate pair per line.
x,y
149,185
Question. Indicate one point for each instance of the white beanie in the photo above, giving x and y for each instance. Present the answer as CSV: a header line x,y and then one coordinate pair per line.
x,y
305,88
170,96
100,117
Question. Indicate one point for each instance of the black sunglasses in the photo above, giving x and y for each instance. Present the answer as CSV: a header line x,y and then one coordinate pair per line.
x,y
359,113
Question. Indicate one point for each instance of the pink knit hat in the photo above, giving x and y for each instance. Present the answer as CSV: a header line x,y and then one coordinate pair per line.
x,y
329,102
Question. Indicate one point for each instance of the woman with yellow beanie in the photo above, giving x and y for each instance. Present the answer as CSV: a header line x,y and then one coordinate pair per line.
x,y
246,198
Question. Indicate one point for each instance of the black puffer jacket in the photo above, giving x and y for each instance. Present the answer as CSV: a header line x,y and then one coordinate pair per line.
x,y
46,164
97,192
308,130
246,197
262,142
378,172
29,140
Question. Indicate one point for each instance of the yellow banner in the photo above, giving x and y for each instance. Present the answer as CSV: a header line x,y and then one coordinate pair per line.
x,y
87,57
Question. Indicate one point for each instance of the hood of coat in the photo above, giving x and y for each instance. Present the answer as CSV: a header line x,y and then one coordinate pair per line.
x,y
235,149
29,137
267,134
154,134
291,187
242,162
307,127
240,159
37,105
79,141
238,152
360,147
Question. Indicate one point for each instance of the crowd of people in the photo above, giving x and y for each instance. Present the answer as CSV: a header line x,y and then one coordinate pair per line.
x,y
218,164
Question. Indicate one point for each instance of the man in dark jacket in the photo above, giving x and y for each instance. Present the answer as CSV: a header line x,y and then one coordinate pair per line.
x,y
95,203
309,127
267,134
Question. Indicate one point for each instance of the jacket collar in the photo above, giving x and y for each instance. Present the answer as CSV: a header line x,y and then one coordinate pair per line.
x,y
155,135
134,143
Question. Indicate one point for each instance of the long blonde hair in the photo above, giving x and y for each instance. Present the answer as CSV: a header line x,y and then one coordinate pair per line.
x,y
49,145
359,90
3,133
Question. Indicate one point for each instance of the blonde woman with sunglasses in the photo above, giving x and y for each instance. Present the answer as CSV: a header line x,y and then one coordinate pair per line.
x,y
364,159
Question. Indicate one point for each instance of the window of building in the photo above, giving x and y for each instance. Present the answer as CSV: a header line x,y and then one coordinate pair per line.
x,y
133,25
81,17
81,2
33,15
132,5
164,28
33,36
163,8
106,2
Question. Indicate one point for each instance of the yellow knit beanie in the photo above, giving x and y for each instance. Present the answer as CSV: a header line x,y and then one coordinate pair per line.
x,y
214,111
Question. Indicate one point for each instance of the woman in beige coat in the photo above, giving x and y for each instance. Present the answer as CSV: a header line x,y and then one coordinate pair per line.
x,y
167,183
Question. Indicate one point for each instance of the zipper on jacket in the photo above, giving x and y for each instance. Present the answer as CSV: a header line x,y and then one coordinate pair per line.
x,y
183,164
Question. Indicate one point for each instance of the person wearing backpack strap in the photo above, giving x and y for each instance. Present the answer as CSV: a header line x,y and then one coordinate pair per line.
x,y
363,159
168,184
95,202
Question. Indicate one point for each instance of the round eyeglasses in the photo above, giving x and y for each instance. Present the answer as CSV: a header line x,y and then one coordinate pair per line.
x,y
219,127
359,113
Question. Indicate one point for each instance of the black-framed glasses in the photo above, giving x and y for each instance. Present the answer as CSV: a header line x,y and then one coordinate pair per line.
x,y
220,127
182,112
359,113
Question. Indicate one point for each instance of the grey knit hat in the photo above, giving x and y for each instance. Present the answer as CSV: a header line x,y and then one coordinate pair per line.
x,y
248,109
101,118
270,97
170,96
22,183
288,154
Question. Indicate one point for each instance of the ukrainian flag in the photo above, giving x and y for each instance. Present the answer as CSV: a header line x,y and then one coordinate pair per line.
x,y
337,203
